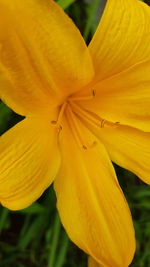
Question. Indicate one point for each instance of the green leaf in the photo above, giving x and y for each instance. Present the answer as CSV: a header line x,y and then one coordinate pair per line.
x,y
3,218
65,3
91,18
5,113
35,208
61,256
36,228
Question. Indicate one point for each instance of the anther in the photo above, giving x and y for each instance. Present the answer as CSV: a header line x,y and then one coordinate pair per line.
x,y
54,122
103,123
109,124
94,92
58,127
83,98
94,144
90,146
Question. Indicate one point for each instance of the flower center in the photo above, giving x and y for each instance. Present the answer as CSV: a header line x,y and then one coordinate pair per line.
x,y
75,113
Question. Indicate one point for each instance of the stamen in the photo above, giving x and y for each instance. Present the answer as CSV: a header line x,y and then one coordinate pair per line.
x,y
84,147
61,112
94,92
54,122
81,98
100,123
80,112
75,128
103,123
58,122
94,144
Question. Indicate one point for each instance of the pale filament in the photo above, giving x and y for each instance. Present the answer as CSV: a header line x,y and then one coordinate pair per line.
x,y
62,109
74,112
100,123
58,122
75,127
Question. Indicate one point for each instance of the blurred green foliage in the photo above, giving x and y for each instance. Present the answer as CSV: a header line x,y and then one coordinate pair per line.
x,y
34,236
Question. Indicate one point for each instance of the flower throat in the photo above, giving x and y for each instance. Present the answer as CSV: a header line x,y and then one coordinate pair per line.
x,y
75,113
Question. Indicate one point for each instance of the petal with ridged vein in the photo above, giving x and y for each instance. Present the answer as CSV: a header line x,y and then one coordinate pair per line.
x,y
122,37
91,205
42,55
29,162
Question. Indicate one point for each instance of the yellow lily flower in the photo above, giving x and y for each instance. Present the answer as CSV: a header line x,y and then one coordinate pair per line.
x,y
84,106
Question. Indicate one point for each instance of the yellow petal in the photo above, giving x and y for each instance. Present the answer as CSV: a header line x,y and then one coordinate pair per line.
x,y
122,38
123,98
93,263
42,54
92,207
129,148
29,162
